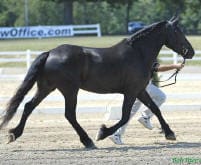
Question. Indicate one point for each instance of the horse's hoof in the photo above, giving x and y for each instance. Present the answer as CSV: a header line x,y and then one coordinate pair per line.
x,y
11,138
91,146
170,136
99,135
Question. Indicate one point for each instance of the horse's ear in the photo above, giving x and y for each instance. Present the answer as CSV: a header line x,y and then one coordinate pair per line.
x,y
171,19
176,20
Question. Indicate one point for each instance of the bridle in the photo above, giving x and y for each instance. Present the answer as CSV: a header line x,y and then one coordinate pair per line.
x,y
185,52
173,75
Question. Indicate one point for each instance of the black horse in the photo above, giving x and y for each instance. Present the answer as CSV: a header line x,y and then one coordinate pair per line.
x,y
123,68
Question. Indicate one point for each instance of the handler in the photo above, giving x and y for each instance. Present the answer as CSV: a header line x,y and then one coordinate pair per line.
x,y
158,97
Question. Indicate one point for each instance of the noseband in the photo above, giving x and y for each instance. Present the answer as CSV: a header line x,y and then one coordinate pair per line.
x,y
185,51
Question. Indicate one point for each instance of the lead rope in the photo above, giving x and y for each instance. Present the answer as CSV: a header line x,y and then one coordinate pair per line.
x,y
175,78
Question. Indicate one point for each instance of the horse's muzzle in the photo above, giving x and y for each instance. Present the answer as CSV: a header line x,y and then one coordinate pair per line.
x,y
188,53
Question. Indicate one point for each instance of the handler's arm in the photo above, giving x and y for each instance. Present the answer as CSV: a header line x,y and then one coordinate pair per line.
x,y
163,68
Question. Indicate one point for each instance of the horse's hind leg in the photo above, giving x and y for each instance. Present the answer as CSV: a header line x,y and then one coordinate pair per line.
x,y
126,109
70,95
146,100
28,108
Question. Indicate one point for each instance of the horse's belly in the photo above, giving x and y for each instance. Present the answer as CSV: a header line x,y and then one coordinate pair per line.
x,y
101,86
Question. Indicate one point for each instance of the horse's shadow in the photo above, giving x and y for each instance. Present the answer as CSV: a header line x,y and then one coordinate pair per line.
x,y
178,145
157,146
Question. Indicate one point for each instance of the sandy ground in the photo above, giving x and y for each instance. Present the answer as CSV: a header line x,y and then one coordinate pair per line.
x,y
49,139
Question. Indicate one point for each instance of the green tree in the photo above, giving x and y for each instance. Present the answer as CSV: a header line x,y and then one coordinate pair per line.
x,y
128,4
67,10
9,12
191,17
120,5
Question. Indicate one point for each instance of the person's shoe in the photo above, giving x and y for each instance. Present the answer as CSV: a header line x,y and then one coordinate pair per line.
x,y
145,121
116,139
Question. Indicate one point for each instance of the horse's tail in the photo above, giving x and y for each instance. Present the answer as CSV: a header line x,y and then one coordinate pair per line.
x,y
23,89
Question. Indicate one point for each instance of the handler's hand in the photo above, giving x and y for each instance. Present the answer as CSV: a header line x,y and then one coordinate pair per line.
x,y
179,66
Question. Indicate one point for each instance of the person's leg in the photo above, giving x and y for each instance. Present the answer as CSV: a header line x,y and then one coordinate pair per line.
x,y
159,98
116,137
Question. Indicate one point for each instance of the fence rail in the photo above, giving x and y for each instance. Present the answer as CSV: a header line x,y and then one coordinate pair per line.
x,y
87,29
107,102
27,56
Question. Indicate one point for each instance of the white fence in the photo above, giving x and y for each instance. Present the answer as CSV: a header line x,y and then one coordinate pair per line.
x,y
106,102
22,56
27,56
175,57
87,29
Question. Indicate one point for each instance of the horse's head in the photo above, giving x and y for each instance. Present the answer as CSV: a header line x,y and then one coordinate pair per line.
x,y
176,39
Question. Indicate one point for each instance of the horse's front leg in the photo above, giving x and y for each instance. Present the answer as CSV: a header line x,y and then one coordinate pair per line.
x,y
126,109
146,100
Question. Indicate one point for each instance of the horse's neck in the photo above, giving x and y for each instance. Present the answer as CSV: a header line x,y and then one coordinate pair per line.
x,y
151,49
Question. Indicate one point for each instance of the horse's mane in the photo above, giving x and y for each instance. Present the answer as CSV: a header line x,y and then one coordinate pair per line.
x,y
143,32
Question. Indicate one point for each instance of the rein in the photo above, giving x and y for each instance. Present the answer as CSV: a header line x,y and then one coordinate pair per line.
x,y
173,75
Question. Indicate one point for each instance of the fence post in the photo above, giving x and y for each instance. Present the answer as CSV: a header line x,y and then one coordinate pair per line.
x,y
28,57
175,58
98,30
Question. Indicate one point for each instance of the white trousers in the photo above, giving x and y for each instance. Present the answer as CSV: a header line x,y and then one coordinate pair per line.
x,y
158,97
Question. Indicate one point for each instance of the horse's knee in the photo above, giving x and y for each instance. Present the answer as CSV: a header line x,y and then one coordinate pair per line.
x,y
154,109
70,116
125,119
67,115
28,108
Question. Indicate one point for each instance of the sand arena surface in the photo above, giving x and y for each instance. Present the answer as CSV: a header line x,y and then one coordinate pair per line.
x,y
49,139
